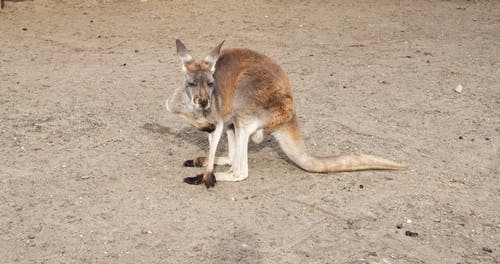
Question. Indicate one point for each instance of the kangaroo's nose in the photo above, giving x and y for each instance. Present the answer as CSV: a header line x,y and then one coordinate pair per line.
x,y
203,102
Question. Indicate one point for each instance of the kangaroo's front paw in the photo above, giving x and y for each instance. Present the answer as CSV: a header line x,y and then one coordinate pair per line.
x,y
196,162
209,128
209,179
198,179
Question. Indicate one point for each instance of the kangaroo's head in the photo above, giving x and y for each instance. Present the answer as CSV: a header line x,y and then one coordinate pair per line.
x,y
198,86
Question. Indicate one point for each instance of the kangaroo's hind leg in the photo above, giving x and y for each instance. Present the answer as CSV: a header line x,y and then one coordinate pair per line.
x,y
230,148
239,168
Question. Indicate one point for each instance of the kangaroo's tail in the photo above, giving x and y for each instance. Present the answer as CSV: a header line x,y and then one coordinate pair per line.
x,y
290,140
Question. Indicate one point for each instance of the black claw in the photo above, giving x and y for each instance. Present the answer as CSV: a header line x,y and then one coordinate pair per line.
x,y
210,180
189,163
209,184
198,179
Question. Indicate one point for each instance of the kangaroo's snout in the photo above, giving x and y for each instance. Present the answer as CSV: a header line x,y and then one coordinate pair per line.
x,y
202,103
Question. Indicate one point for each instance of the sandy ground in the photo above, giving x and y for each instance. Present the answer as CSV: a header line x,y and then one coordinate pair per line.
x,y
91,162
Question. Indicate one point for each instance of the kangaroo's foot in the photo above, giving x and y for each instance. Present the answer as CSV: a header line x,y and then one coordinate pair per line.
x,y
207,178
196,162
202,161
198,179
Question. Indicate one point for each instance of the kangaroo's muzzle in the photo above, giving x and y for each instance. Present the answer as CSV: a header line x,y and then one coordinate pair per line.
x,y
202,103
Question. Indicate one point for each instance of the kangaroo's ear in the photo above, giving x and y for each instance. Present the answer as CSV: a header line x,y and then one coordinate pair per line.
x,y
212,57
183,54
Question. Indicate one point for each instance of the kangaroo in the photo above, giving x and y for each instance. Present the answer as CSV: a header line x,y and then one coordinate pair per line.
x,y
249,94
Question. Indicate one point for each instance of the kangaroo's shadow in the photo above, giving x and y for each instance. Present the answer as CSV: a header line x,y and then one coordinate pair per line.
x,y
2,2
191,135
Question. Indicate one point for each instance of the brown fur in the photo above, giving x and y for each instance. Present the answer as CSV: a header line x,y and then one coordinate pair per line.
x,y
195,66
259,74
199,161
196,162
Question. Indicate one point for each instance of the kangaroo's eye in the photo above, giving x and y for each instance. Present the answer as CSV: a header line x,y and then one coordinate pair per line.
x,y
190,83
210,83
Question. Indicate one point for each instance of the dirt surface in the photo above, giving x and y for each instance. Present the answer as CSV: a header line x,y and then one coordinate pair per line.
x,y
91,162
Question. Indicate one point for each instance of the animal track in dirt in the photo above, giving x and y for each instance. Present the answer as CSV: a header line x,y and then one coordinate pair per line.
x,y
156,128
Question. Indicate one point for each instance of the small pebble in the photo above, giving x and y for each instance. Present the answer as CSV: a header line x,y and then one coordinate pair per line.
x,y
487,249
37,228
408,221
411,234
399,226
361,186
459,88
136,51
460,137
24,29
